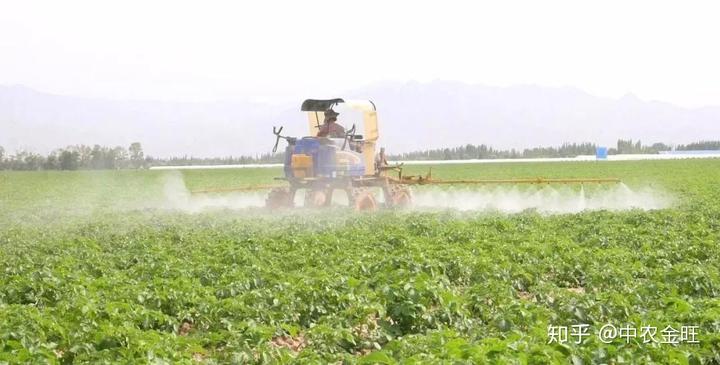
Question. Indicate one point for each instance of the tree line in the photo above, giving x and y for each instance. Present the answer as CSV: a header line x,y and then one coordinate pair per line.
x,y
229,160
78,157
82,157
482,151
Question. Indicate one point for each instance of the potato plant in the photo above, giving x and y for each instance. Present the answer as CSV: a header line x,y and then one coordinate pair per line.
x,y
88,274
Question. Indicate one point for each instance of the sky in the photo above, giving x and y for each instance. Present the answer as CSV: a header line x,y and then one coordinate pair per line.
x,y
290,50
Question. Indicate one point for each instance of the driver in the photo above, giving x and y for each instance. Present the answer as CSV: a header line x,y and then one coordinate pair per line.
x,y
330,127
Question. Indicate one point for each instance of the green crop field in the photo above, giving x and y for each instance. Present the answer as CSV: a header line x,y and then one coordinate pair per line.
x,y
100,267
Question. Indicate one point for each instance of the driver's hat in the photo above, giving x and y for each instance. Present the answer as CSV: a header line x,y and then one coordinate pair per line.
x,y
331,113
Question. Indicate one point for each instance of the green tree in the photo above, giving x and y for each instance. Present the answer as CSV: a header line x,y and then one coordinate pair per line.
x,y
136,154
51,162
33,161
97,157
69,160
121,157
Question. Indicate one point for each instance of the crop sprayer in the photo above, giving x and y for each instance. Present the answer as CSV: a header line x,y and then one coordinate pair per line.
x,y
331,159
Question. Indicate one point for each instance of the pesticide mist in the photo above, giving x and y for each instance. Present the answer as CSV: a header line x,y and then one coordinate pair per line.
x,y
545,199
178,197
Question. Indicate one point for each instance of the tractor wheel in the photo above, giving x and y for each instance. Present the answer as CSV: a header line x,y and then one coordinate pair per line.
x,y
317,198
400,196
363,200
279,198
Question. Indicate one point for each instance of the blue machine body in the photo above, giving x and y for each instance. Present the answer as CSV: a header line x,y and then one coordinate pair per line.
x,y
328,158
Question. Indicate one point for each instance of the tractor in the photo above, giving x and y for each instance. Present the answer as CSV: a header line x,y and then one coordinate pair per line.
x,y
321,165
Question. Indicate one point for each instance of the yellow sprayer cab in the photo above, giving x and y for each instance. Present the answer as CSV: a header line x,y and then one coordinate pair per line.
x,y
315,110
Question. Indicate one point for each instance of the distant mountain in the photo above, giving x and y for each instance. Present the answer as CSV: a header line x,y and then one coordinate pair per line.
x,y
444,114
42,122
412,116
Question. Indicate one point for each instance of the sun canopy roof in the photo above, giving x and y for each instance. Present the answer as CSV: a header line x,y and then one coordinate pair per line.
x,y
315,105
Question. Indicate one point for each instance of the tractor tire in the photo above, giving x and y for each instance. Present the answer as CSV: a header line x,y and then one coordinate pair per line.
x,y
400,196
363,200
317,198
279,198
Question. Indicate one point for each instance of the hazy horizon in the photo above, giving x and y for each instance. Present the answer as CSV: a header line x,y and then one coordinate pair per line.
x,y
341,92
413,116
